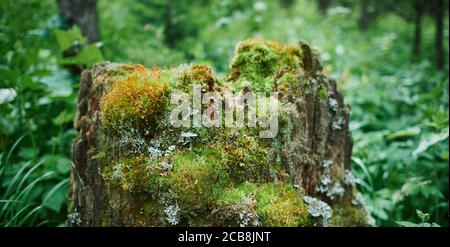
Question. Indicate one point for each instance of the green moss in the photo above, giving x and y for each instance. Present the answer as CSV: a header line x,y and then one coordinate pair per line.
x,y
196,178
346,214
322,92
236,194
275,204
288,82
187,75
136,173
257,62
280,204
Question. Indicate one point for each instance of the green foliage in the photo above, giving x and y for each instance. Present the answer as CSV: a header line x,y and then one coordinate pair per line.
x,y
424,221
87,55
32,192
67,39
36,113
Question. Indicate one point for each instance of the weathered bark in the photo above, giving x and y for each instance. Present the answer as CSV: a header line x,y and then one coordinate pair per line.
x,y
315,151
82,13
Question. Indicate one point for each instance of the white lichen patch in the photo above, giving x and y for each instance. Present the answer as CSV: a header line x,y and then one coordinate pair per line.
x,y
336,190
318,209
337,125
325,178
326,185
166,166
349,178
327,163
172,214
333,104
358,199
74,218
127,139
247,217
154,152
117,173
186,138
170,149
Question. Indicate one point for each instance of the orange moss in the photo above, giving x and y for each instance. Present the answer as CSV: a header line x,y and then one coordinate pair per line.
x,y
139,99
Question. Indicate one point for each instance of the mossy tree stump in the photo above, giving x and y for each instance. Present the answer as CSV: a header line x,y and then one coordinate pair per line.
x,y
132,168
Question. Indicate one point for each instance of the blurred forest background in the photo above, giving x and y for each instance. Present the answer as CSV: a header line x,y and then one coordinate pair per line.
x,y
390,58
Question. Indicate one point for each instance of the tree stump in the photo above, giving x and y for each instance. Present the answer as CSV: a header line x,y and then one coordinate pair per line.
x,y
132,167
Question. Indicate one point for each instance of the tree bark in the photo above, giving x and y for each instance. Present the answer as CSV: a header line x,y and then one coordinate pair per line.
x,y
82,13
315,153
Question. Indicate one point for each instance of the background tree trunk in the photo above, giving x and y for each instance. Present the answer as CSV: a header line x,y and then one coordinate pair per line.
x,y
323,6
417,43
316,150
439,20
364,15
287,3
82,13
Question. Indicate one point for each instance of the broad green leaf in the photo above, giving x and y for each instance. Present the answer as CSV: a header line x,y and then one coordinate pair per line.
x,y
63,117
410,132
89,56
56,197
407,224
67,38
429,141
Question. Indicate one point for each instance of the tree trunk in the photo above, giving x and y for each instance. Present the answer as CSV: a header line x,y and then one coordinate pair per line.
x,y
323,6
170,30
417,43
364,15
82,13
287,3
439,34
305,171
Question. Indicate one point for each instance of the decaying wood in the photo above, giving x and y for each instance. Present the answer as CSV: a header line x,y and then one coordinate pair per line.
x,y
318,148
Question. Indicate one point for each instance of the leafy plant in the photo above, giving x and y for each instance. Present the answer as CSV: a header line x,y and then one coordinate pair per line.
x,y
424,221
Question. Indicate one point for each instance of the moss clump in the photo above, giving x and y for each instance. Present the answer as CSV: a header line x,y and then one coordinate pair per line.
x,y
322,92
279,204
346,214
245,158
135,174
237,194
137,99
258,62
200,74
270,204
196,178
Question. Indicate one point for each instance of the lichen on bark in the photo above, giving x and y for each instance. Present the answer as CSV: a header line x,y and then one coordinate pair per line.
x,y
133,168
